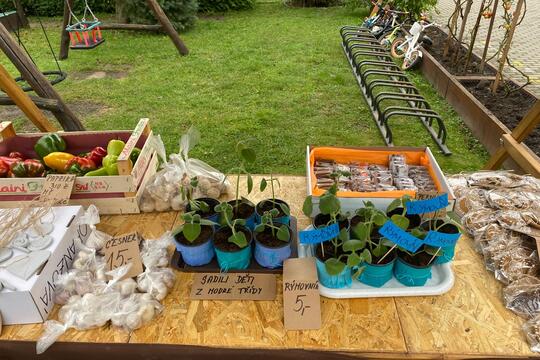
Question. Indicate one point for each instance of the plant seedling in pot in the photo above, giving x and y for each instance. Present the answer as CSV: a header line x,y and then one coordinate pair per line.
x,y
281,206
192,227
280,232
201,206
237,237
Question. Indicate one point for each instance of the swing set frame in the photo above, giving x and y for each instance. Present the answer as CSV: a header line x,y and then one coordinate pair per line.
x,y
164,24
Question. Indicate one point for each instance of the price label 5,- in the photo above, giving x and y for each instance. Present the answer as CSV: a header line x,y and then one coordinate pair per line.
x,y
301,299
122,250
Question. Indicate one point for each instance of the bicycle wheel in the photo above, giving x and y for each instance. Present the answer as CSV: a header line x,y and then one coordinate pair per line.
x,y
412,61
395,49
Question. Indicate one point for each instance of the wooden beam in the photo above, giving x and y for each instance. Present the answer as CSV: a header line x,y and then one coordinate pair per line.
x,y
475,77
41,103
23,20
23,101
39,83
167,26
142,27
488,37
64,36
520,133
519,154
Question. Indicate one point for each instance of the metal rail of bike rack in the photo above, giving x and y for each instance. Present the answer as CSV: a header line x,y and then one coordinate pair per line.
x,y
373,67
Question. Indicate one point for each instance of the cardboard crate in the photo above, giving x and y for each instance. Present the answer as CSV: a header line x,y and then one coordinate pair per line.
x,y
111,194
33,300
350,201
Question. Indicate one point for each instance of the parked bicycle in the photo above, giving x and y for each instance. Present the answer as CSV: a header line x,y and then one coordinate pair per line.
x,y
408,47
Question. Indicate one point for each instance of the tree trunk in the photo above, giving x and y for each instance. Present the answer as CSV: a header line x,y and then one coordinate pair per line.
x,y
121,12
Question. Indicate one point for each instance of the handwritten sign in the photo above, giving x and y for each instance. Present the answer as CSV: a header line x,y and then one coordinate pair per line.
x,y
319,235
122,250
427,206
435,238
58,188
233,286
301,299
402,238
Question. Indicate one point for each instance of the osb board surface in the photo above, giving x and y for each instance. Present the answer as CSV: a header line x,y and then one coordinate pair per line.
x,y
469,321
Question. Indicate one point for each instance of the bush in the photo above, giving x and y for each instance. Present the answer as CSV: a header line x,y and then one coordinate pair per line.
x,y
415,7
182,13
312,3
56,7
209,6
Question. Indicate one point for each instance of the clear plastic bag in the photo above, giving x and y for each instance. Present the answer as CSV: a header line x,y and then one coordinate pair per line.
x,y
163,190
532,332
523,296
475,222
136,311
156,282
154,253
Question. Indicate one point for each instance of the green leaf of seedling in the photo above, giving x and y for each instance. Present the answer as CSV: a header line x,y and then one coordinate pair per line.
x,y
196,218
333,266
285,209
307,207
203,206
369,204
332,190
433,251
379,219
329,204
400,221
239,239
191,231
366,256
419,233
343,235
379,250
274,213
360,231
194,182
359,272
353,245
239,222
353,260
263,185
249,183
207,222
283,233
393,205
187,217
259,228
386,242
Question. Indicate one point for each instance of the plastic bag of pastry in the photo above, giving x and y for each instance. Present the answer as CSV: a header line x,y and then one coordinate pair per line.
x,y
471,200
513,200
136,311
513,265
525,222
503,179
532,333
154,253
476,221
458,183
498,245
523,296
491,233
156,282
81,313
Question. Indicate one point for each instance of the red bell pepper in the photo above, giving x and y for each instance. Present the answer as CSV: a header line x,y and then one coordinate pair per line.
x,y
27,168
4,169
96,155
6,162
16,155
80,165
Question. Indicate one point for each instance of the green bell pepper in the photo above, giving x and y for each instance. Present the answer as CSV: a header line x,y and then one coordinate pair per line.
x,y
115,147
134,155
110,167
49,143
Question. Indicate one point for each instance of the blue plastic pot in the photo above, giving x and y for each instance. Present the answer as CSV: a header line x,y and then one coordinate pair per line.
x,y
211,203
234,260
196,255
447,256
377,275
250,221
342,280
270,257
410,275
280,220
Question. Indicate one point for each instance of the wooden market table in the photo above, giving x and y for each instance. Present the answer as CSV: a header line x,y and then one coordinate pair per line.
x,y
467,322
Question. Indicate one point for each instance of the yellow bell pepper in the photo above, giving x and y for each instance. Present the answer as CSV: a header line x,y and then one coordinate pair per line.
x,y
58,161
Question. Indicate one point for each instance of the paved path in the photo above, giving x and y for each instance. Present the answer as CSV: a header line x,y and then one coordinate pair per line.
x,y
525,51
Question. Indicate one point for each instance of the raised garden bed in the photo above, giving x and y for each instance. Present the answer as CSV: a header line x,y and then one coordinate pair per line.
x,y
489,116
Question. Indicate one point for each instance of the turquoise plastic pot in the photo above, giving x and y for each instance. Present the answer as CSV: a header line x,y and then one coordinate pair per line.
x,y
250,221
410,275
280,220
377,275
343,280
447,256
234,260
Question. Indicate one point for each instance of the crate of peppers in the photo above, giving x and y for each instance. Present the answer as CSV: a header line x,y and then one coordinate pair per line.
x,y
111,166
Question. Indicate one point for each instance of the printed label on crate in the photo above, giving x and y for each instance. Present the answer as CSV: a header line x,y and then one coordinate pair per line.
x,y
233,286
427,206
122,250
435,238
400,237
58,188
319,235
301,298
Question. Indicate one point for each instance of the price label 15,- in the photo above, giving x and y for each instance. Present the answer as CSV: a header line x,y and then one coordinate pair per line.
x,y
122,250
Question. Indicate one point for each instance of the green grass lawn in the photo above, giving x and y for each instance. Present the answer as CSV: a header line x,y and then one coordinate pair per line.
x,y
274,74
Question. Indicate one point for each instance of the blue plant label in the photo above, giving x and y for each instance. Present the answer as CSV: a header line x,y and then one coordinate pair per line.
x,y
400,237
319,235
435,238
427,206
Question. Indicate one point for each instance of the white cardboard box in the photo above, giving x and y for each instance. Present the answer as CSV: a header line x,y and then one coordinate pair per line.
x,y
33,300
350,204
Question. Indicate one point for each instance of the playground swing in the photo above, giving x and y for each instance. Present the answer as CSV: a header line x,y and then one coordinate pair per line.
x,y
83,34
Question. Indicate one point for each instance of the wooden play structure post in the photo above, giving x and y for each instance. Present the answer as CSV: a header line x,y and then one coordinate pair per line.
x,y
23,20
23,101
164,24
39,83
511,145
488,36
506,49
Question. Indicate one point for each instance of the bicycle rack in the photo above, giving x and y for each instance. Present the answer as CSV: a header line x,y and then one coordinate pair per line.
x,y
374,68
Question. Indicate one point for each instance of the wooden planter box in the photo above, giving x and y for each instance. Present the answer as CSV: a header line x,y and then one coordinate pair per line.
x,y
482,122
111,194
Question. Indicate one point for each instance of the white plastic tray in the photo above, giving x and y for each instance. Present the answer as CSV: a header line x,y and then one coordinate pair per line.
x,y
442,280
